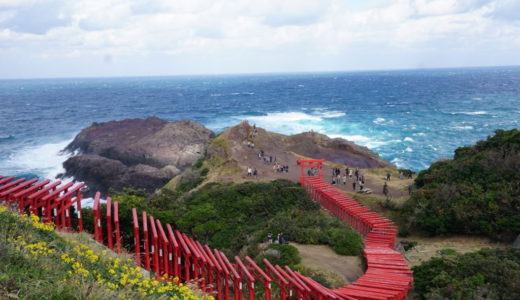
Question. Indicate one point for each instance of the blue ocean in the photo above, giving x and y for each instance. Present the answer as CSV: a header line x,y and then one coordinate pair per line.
x,y
411,118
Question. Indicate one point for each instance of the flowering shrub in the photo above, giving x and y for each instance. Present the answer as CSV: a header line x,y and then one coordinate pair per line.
x,y
67,264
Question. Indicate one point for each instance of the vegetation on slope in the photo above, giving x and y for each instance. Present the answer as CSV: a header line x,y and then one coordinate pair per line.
x,y
231,217
487,274
38,263
477,192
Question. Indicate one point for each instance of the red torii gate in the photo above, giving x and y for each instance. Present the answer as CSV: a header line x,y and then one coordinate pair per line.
x,y
170,253
310,163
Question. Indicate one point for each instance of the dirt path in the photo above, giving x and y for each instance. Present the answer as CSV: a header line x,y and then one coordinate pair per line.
x,y
325,259
430,247
374,178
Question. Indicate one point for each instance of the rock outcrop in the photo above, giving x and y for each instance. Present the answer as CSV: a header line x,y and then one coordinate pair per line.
x,y
136,153
229,152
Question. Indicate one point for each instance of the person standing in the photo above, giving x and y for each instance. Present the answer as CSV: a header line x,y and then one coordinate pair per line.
x,y
270,238
385,190
345,179
354,186
388,175
249,172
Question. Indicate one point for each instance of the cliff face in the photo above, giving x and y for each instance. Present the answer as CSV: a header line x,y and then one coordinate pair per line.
x,y
137,153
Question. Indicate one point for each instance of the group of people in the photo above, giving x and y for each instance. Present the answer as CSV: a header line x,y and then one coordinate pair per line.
x,y
337,178
265,158
262,156
281,168
252,172
312,172
281,238
254,132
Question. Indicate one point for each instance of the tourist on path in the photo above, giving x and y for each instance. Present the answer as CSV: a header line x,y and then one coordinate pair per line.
x,y
385,190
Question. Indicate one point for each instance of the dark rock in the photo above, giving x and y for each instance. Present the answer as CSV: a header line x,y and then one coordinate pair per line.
x,y
337,150
135,153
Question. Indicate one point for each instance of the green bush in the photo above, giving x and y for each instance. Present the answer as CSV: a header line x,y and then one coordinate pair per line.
x,y
487,274
478,192
288,255
198,163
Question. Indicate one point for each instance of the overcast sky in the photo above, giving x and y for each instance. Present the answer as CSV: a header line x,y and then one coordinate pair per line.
x,y
78,38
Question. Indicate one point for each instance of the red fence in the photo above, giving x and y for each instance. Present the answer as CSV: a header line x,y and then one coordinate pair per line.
x,y
170,254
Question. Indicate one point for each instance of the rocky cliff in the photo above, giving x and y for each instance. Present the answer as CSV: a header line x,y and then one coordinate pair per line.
x,y
139,153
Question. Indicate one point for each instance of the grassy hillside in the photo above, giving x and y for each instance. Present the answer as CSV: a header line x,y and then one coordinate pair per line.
x,y
477,192
38,263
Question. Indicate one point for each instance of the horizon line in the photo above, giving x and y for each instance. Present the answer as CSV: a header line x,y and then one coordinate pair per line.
x,y
262,73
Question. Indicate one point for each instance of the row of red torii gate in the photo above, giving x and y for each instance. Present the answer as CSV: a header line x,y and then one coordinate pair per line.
x,y
169,253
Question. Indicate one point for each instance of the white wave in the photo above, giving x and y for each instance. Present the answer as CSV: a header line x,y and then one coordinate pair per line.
x,y
378,120
287,122
470,113
476,98
285,117
419,134
462,127
398,162
89,202
331,114
43,160
408,139
408,149
360,140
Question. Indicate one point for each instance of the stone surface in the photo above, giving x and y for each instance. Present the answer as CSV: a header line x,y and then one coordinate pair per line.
x,y
138,153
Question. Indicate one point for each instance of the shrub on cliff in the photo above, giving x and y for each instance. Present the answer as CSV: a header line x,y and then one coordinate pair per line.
x,y
477,192
231,216
487,274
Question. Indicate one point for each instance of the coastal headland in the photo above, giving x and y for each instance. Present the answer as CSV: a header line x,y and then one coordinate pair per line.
x,y
149,153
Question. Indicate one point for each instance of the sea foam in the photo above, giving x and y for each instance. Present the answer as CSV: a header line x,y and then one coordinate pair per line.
x,y
46,160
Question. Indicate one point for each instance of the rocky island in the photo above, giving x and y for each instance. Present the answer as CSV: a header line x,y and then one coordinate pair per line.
x,y
148,153
143,154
